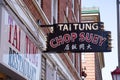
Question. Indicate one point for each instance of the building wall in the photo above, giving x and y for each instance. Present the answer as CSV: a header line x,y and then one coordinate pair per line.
x,y
98,67
73,66
92,62
91,65
88,65
22,33
47,8
17,61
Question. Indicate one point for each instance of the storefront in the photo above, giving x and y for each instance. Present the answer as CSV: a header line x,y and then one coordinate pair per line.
x,y
20,56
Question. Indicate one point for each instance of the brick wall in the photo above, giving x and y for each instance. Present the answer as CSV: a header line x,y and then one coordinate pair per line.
x,y
33,10
62,4
61,9
73,72
47,8
89,63
36,14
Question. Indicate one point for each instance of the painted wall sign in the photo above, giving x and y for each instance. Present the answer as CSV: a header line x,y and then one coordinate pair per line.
x,y
18,50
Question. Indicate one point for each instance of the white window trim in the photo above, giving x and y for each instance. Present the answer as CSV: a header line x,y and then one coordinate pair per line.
x,y
54,8
78,15
79,63
73,59
38,2
67,9
73,6
83,57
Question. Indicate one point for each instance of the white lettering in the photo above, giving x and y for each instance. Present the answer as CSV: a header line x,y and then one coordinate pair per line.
x,y
78,26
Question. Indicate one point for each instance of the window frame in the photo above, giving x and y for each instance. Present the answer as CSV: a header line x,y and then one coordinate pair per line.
x,y
54,11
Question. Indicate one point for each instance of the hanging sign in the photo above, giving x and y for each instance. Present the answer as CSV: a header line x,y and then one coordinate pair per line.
x,y
19,53
79,37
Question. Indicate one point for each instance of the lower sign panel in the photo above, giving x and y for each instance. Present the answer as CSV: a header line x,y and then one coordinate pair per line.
x,y
92,41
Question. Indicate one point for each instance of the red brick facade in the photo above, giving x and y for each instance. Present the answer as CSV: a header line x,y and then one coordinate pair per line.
x,y
46,6
73,14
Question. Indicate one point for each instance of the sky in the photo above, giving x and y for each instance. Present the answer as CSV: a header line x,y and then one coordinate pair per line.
x,y
109,17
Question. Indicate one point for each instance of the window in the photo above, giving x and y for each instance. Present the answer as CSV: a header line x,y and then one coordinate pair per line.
x,y
50,71
79,63
78,16
73,59
54,11
39,2
73,6
83,57
67,11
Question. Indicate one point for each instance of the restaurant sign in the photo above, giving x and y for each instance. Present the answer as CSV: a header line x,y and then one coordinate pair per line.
x,y
17,49
79,37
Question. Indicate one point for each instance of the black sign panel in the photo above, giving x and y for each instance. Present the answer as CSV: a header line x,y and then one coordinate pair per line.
x,y
78,41
78,37
92,26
